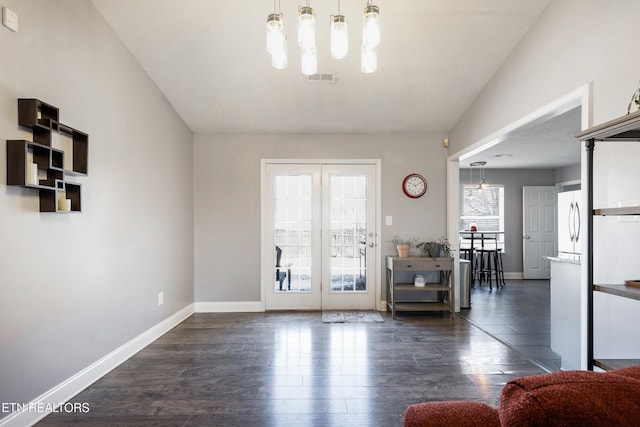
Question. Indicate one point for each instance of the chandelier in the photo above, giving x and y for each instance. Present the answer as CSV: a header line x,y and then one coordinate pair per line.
x,y
483,184
339,39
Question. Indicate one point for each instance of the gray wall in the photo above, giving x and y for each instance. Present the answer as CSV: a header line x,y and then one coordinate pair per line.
x,y
568,174
76,287
513,181
227,198
573,43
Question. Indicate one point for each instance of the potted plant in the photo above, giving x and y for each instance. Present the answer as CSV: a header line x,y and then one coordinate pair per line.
x,y
435,248
403,246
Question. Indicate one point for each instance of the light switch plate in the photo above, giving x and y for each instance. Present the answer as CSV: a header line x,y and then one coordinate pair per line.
x,y
10,19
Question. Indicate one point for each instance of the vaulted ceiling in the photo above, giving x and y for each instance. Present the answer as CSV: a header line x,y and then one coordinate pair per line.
x,y
209,59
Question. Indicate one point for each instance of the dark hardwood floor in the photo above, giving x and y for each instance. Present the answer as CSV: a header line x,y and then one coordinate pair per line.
x,y
290,369
517,315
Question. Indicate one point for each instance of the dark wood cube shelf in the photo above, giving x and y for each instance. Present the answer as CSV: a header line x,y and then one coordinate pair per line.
x,y
39,165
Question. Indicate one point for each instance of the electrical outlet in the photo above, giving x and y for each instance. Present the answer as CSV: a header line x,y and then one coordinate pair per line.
x,y
160,298
10,19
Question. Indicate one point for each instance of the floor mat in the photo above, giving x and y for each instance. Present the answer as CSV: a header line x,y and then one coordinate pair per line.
x,y
351,317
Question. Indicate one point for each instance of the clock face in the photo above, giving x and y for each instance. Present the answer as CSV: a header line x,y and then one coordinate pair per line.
x,y
414,185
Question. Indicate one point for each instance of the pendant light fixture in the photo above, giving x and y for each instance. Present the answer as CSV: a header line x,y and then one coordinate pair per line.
x,y
275,31
483,184
371,27
276,39
339,35
307,39
370,39
306,27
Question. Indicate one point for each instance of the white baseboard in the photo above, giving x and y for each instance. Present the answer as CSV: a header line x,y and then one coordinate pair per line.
x,y
229,307
67,389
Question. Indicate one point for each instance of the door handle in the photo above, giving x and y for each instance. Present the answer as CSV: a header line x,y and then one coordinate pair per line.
x,y
371,244
577,223
572,235
527,237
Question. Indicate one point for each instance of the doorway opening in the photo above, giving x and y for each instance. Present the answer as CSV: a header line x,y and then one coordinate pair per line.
x,y
494,149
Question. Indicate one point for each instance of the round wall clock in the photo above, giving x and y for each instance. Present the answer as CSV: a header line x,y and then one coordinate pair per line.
x,y
414,185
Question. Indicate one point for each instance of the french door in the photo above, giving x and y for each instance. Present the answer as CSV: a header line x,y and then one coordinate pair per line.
x,y
319,237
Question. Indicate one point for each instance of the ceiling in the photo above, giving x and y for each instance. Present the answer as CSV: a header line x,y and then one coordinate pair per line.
x,y
550,144
209,59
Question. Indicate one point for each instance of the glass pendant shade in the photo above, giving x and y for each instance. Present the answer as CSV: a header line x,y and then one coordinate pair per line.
x,y
279,57
306,28
339,37
371,27
309,61
368,60
275,31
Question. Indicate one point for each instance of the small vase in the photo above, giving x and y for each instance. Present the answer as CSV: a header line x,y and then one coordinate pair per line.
x,y
403,250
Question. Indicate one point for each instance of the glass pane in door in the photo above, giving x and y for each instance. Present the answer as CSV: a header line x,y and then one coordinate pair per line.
x,y
348,224
293,233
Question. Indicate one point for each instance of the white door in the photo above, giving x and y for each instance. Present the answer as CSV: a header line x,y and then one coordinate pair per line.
x,y
540,231
320,236
348,236
292,240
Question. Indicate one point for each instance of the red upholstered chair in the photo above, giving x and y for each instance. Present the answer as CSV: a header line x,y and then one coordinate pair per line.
x,y
455,413
573,398
567,399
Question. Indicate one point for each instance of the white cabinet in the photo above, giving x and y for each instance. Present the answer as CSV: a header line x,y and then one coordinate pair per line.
x,y
565,311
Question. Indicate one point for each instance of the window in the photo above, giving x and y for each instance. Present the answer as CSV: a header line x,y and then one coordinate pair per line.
x,y
484,208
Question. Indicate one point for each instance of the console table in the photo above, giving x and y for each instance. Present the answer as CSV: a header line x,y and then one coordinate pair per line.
x,y
403,295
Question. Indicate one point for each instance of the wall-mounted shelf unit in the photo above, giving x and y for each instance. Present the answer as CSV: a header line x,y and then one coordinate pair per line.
x,y
42,119
41,165
625,128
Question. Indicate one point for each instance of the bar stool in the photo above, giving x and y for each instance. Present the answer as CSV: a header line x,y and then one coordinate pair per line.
x,y
490,260
465,253
499,269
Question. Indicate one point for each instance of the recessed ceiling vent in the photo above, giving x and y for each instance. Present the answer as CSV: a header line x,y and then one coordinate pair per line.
x,y
322,78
